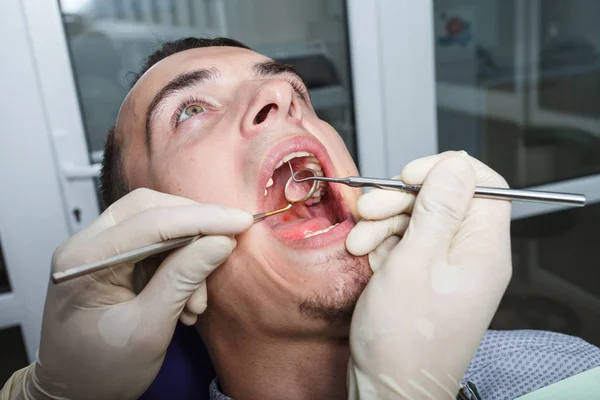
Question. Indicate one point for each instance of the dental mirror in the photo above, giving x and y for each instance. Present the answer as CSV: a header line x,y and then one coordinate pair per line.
x,y
295,192
299,192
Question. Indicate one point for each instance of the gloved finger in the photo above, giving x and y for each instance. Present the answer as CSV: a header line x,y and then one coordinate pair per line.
x,y
133,203
144,199
378,256
198,300
367,235
380,203
416,171
181,274
155,225
195,305
440,207
188,318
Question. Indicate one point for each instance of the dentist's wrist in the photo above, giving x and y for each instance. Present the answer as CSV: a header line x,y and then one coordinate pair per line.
x,y
23,385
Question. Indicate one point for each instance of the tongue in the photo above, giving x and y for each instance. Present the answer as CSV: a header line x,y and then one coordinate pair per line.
x,y
298,228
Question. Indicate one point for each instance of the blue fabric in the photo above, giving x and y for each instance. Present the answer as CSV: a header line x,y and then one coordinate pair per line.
x,y
509,364
186,372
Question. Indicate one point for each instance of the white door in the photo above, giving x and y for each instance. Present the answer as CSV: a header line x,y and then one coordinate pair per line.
x,y
517,85
71,64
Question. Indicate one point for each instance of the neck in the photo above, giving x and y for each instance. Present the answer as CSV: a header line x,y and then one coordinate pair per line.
x,y
254,366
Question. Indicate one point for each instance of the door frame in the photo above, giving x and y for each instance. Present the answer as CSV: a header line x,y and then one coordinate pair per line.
x,y
391,62
32,215
51,56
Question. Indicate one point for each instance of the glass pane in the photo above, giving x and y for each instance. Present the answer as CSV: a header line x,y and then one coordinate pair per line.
x,y
109,39
4,282
518,86
555,276
473,46
569,65
12,352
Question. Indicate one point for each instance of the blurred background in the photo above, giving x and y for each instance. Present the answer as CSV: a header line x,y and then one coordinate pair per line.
x,y
516,83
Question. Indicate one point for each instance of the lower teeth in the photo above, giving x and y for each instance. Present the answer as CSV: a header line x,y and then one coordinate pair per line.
x,y
311,234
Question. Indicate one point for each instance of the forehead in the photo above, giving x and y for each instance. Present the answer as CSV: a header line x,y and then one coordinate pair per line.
x,y
230,61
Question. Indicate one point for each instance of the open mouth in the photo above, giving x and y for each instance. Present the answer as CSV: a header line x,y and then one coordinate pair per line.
x,y
313,219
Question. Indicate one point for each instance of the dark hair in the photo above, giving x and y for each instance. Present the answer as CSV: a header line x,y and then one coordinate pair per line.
x,y
113,184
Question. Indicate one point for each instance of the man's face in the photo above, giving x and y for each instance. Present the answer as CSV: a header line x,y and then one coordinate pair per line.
x,y
213,125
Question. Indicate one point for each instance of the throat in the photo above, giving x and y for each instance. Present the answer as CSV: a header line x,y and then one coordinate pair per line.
x,y
286,370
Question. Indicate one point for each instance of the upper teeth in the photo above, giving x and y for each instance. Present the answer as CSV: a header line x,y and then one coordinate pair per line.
x,y
313,163
293,155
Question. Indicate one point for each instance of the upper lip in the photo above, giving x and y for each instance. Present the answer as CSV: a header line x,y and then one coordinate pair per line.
x,y
291,144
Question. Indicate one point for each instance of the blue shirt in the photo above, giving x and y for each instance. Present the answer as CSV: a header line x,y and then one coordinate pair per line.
x,y
510,364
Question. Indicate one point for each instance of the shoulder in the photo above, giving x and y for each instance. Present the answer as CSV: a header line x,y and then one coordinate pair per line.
x,y
509,364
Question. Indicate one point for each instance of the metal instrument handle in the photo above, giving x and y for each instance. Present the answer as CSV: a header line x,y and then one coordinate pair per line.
x,y
132,256
481,192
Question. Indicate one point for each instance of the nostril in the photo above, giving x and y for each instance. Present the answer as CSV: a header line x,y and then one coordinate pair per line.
x,y
264,113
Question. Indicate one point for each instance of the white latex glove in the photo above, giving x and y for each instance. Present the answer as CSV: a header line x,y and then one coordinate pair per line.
x,y
99,339
433,294
385,215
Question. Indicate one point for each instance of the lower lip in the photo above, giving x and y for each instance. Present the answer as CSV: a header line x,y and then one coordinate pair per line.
x,y
335,236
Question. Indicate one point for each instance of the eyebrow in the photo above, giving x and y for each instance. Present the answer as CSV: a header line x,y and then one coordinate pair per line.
x,y
266,69
273,68
176,85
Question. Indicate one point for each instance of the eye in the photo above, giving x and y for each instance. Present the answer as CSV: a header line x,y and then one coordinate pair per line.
x,y
190,111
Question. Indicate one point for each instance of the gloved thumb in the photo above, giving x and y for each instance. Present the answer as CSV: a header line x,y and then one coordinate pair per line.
x,y
440,208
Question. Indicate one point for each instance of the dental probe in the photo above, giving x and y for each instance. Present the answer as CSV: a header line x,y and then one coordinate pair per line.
x,y
136,255
568,199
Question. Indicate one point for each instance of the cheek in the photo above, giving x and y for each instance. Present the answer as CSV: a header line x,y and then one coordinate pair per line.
x,y
197,174
343,162
336,148
351,196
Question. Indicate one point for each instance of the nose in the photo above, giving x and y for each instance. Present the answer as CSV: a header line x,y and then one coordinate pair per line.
x,y
274,102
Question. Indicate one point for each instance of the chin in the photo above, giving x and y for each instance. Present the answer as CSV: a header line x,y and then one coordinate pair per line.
x,y
333,304
323,287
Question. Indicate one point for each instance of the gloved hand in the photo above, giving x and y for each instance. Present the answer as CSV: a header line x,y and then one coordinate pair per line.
x,y
99,339
434,292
